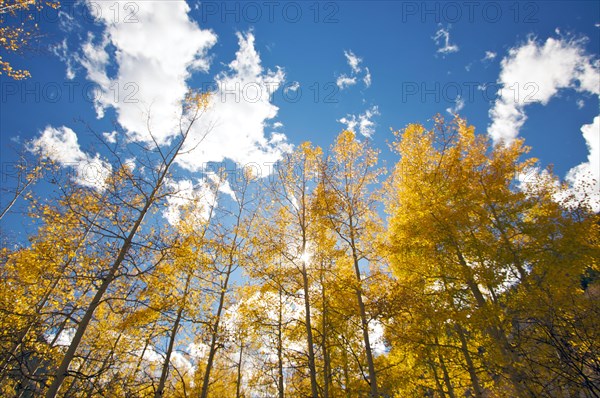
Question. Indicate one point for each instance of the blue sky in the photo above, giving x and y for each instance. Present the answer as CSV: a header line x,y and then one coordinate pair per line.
x,y
286,72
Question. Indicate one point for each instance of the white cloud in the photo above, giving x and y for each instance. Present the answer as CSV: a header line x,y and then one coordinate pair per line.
x,y
536,72
61,146
154,57
362,123
93,172
277,125
580,103
111,138
95,60
532,179
67,21
64,337
353,61
267,303
367,78
442,40
489,56
344,81
234,123
62,52
585,178
459,104
196,200
179,361
149,354
293,87
130,163
376,337
222,184
198,350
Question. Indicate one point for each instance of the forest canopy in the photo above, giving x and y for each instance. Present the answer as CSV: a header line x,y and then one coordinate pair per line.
x,y
442,275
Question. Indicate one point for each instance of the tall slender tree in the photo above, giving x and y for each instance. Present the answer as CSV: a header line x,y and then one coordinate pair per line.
x,y
193,110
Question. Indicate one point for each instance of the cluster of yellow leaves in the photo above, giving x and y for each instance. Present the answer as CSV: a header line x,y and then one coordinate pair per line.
x,y
16,38
197,101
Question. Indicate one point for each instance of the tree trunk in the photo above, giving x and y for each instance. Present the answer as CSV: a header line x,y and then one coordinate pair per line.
x,y
363,314
470,366
445,374
438,384
238,382
215,332
346,373
365,330
309,335
326,357
280,385
165,369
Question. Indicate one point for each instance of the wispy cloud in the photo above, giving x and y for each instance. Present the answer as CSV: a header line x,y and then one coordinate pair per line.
x,y
442,40
459,104
353,61
344,81
293,87
489,56
363,123
63,53
196,199
357,72
367,78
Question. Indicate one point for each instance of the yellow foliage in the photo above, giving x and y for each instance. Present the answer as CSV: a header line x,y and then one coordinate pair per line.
x,y
15,39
